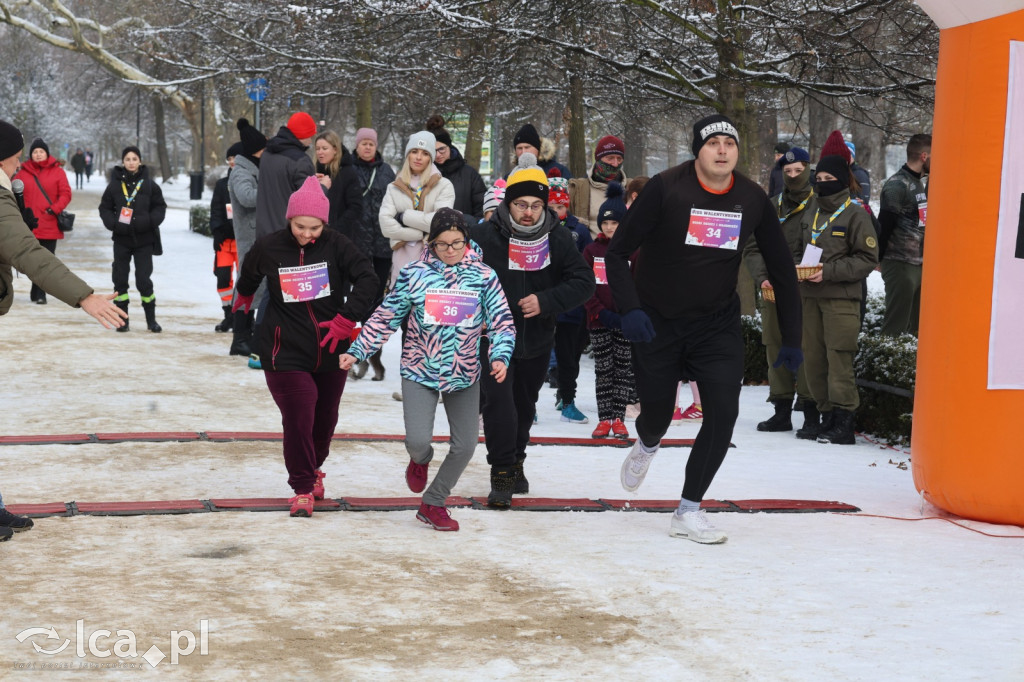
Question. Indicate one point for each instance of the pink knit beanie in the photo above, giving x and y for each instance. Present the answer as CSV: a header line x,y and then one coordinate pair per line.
x,y
366,134
309,200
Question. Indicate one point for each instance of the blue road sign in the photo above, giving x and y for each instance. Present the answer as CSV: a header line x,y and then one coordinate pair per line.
x,y
257,89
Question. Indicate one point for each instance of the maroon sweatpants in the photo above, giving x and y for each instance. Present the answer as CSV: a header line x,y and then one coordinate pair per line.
x,y
309,412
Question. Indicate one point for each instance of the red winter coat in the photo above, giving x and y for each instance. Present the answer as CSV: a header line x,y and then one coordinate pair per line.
x,y
55,182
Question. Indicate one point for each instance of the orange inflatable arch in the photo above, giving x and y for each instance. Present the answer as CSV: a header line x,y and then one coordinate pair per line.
x,y
968,437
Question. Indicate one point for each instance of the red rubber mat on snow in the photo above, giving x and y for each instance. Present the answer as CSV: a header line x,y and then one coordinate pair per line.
x,y
664,505
136,508
147,436
42,440
549,504
793,506
48,509
268,504
396,503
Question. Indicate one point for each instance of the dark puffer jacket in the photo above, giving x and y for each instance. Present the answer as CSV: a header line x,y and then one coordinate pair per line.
x,y
374,178
469,186
148,207
284,166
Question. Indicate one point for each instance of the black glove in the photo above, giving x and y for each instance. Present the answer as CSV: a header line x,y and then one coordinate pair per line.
x,y
609,319
217,241
637,326
398,217
789,357
30,218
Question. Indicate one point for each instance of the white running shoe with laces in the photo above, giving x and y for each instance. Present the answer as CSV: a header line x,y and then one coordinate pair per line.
x,y
634,467
695,526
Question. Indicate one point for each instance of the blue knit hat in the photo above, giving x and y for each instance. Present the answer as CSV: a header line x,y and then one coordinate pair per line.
x,y
613,208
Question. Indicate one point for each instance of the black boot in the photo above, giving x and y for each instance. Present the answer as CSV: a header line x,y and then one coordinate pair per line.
x,y
812,422
15,523
123,305
841,430
228,322
522,486
503,480
781,420
240,335
150,309
378,367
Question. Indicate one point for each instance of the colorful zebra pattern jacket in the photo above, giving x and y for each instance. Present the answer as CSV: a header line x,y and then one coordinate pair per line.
x,y
448,308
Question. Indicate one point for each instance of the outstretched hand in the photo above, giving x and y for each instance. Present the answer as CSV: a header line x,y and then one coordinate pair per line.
x,y
338,329
103,309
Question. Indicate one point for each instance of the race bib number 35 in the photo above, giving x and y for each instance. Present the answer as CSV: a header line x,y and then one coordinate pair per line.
x,y
304,283
529,256
714,229
450,307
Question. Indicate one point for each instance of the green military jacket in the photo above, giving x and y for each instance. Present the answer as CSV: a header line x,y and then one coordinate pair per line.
x,y
849,248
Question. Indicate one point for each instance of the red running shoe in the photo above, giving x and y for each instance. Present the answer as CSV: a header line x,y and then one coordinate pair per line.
x,y
302,505
416,476
318,487
602,430
438,517
619,429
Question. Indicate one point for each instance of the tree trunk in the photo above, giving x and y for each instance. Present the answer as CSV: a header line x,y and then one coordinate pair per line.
x,y
364,109
635,141
161,137
821,121
767,137
577,124
475,132
870,153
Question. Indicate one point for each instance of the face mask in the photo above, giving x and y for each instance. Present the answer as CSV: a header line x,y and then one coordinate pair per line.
x,y
797,183
827,188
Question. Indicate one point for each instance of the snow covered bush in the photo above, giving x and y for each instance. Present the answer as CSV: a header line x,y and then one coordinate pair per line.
x,y
755,365
199,219
886,370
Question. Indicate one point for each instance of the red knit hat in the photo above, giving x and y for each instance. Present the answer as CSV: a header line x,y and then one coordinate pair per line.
x,y
309,200
835,145
609,144
302,125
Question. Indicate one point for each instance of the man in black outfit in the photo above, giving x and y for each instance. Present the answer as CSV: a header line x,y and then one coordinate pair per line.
x,y
681,308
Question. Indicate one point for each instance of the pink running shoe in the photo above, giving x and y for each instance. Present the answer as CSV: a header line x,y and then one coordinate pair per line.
x,y
302,505
602,430
318,487
691,415
437,517
416,476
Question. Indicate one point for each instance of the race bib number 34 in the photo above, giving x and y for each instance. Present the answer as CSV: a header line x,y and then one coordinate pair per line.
x,y
529,256
450,307
304,283
714,229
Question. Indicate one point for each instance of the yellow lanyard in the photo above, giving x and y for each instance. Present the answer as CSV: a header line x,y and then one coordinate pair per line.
x,y
129,199
802,206
815,233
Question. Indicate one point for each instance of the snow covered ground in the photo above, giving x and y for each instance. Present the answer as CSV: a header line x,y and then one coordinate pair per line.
x,y
892,594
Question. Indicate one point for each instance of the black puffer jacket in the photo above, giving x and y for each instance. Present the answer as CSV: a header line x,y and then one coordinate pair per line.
x,y
345,195
469,186
564,284
290,335
374,178
148,207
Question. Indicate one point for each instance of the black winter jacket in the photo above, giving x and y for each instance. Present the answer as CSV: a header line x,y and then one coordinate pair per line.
x,y
469,186
221,226
345,195
564,284
148,207
284,166
374,178
289,337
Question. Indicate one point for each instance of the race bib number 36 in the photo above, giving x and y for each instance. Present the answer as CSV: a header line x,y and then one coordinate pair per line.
x,y
304,283
450,307
529,256
714,229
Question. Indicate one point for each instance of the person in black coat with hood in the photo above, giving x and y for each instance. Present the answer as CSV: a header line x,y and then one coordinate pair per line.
x,y
469,186
335,172
133,208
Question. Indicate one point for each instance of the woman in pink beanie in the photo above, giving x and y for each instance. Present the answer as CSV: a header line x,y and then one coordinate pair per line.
x,y
306,327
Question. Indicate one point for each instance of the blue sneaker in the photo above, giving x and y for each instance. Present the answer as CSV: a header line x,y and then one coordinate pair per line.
x,y
571,414
254,362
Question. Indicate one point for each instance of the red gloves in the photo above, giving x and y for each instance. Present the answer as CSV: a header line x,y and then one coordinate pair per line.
x,y
243,302
338,329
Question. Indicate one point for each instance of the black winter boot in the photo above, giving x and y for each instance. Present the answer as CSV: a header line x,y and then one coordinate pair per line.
x,y
522,486
123,305
225,324
503,480
240,335
781,420
150,310
14,522
812,422
841,431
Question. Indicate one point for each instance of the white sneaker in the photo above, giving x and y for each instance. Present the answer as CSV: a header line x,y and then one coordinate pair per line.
x,y
695,526
635,466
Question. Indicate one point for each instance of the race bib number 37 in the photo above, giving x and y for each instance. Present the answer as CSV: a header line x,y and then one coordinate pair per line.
x,y
450,307
529,256
714,229
304,283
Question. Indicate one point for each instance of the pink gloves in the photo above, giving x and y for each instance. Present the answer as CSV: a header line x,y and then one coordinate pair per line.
x,y
338,329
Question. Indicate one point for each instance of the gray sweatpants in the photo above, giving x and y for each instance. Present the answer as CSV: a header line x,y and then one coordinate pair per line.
x,y
463,408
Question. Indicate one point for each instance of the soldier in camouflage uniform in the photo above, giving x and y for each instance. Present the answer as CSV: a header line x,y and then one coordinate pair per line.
x,y
902,215
831,298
